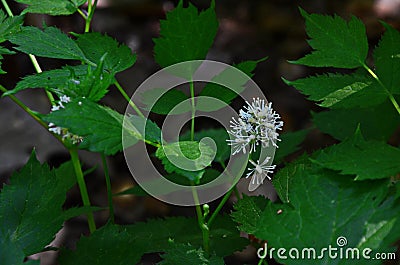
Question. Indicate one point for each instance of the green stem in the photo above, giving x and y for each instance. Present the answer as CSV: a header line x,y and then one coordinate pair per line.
x,y
7,8
392,99
220,205
82,187
123,93
109,192
200,220
193,110
91,9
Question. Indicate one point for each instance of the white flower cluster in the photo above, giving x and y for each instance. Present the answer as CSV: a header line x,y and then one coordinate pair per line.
x,y
257,124
75,139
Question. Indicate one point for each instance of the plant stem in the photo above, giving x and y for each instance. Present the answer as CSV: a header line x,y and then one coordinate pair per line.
x,y
123,93
31,57
220,205
7,8
82,187
392,99
108,183
193,110
200,220
91,9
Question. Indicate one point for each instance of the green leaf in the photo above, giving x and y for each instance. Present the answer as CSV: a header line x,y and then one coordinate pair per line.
x,y
100,127
365,159
341,91
110,244
249,219
187,158
183,254
387,59
9,25
224,236
289,144
165,100
219,136
94,45
52,7
53,80
236,85
50,42
185,35
324,206
335,42
283,179
94,85
31,206
377,123
146,127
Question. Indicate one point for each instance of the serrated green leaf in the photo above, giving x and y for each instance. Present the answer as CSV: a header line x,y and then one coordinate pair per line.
x,y
377,123
387,59
249,219
52,7
289,144
162,101
31,206
365,159
183,254
95,46
224,236
9,25
336,43
236,86
341,91
53,80
324,206
185,35
100,127
50,42
189,158
93,85
110,244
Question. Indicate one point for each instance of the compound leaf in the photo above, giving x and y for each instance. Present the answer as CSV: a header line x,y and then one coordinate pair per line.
x,y
335,42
